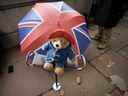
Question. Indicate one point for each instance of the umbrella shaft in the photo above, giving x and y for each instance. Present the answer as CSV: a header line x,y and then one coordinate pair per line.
x,y
56,79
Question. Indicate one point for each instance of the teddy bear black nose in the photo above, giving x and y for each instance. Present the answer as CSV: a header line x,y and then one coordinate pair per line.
x,y
57,45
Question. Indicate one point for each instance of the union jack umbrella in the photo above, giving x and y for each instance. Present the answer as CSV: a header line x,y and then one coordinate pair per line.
x,y
44,19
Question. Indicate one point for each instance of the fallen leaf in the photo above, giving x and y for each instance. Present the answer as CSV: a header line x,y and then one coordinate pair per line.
x,y
78,80
110,63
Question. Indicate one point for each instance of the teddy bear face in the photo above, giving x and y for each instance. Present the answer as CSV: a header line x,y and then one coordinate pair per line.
x,y
60,42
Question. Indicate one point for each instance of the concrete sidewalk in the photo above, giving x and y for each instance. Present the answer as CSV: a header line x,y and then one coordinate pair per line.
x,y
26,81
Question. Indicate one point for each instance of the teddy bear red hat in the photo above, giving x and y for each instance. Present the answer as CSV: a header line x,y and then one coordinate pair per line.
x,y
61,33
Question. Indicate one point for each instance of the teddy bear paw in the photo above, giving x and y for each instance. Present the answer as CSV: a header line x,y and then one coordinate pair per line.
x,y
48,67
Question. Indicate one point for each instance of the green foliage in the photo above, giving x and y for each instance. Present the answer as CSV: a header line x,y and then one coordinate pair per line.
x,y
72,1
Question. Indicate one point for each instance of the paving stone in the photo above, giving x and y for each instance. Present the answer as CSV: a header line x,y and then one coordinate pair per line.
x,y
12,16
25,81
114,45
117,41
112,63
28,81
124,52
9,41
92,52
90,79
12,55
3,2
119,37
121,31
119,82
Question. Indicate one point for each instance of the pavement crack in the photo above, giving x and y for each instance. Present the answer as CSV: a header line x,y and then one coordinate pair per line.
x,y
101,73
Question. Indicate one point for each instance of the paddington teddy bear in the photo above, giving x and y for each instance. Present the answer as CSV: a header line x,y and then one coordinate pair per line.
x,y
57,52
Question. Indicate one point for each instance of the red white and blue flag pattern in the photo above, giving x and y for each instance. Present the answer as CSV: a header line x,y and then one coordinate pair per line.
x,y
35,27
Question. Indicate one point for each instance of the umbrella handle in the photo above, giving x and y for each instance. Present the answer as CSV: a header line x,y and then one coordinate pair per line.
x,y
56,86
56,79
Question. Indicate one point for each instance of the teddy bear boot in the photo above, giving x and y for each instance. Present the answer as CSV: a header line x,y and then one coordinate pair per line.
x,y
59,71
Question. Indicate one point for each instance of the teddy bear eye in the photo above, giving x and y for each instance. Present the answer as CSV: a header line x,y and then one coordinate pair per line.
x,y
62,41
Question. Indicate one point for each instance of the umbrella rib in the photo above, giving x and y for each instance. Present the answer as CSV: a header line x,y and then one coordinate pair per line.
x,y
37,13
30,33
34,27
84,34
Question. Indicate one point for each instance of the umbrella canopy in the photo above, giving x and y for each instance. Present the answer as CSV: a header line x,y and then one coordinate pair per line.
x,y
47,19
